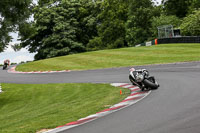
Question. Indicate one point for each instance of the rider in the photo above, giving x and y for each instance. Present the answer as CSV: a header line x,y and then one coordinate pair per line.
x,y
140,71
137,77
7,62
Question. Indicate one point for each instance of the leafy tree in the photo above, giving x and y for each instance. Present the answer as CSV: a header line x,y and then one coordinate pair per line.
x,y
157,10
44,2
139,21
195,5
12,14
190,25
111,26
87,18
179,8
54,32
163,20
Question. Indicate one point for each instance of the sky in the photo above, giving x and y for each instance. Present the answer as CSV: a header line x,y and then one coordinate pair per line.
x,y
159,1
16,57
23,54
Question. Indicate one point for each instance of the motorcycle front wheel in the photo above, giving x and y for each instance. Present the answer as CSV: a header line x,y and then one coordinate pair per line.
x,y
150,84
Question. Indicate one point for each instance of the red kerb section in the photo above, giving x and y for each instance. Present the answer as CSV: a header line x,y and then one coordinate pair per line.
x,y
114,108
135,89
77,122
137,93
130,99
124,85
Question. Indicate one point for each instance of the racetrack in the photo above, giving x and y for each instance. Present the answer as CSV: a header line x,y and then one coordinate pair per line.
x,y
173,108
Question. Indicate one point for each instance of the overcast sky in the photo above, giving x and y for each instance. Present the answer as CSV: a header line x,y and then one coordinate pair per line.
x,y
15,57
23,54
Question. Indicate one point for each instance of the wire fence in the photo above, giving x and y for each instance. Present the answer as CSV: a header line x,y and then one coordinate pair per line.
x,y
165,31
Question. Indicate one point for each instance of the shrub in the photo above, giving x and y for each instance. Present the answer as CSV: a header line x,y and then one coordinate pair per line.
x,y
191,24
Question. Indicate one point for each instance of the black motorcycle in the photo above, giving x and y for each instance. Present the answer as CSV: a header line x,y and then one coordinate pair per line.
x,y
5,66
142,79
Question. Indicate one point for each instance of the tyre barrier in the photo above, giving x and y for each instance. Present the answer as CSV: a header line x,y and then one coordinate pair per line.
x,y
135,96
12,70
184,39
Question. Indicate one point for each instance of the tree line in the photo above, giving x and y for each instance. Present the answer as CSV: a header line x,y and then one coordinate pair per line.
x,y
62,27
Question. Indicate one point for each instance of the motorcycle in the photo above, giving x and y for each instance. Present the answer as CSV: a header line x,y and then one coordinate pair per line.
x,y
142,79
5,66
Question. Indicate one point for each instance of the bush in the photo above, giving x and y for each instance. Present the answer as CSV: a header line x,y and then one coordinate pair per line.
x,y
13,63
191,24
95,44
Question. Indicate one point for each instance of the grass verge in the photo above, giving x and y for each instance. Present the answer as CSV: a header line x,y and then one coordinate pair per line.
x,y
166,53
29,108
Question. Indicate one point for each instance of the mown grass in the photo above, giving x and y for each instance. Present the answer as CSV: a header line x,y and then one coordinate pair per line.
x,y
165,53
29,108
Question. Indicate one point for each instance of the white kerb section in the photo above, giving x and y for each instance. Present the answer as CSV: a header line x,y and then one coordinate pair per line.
x,y
0,89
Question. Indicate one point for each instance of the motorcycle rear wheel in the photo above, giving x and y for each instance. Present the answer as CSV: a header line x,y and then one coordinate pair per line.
x,y
150,84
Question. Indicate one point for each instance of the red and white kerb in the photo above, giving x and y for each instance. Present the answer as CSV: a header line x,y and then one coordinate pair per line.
x,y
135,96
12,70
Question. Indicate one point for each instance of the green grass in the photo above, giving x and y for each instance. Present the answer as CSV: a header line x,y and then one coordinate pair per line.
x,y
29,108
165,53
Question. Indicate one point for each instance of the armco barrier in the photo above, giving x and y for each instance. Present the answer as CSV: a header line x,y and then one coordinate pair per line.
x,y
149,43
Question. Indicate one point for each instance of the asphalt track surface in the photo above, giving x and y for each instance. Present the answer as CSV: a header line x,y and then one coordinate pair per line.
x,y
173,108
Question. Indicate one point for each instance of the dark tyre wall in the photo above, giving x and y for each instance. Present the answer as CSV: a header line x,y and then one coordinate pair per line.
x,y
180,40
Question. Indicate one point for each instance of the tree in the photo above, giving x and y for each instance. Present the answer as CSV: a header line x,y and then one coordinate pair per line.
x,y
190,25
88,21
111,26
163,20
54,32
179,8
195,5
12,14
139,21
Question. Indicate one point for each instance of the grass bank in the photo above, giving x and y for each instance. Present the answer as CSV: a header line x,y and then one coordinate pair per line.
x,y
165,53
29,108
